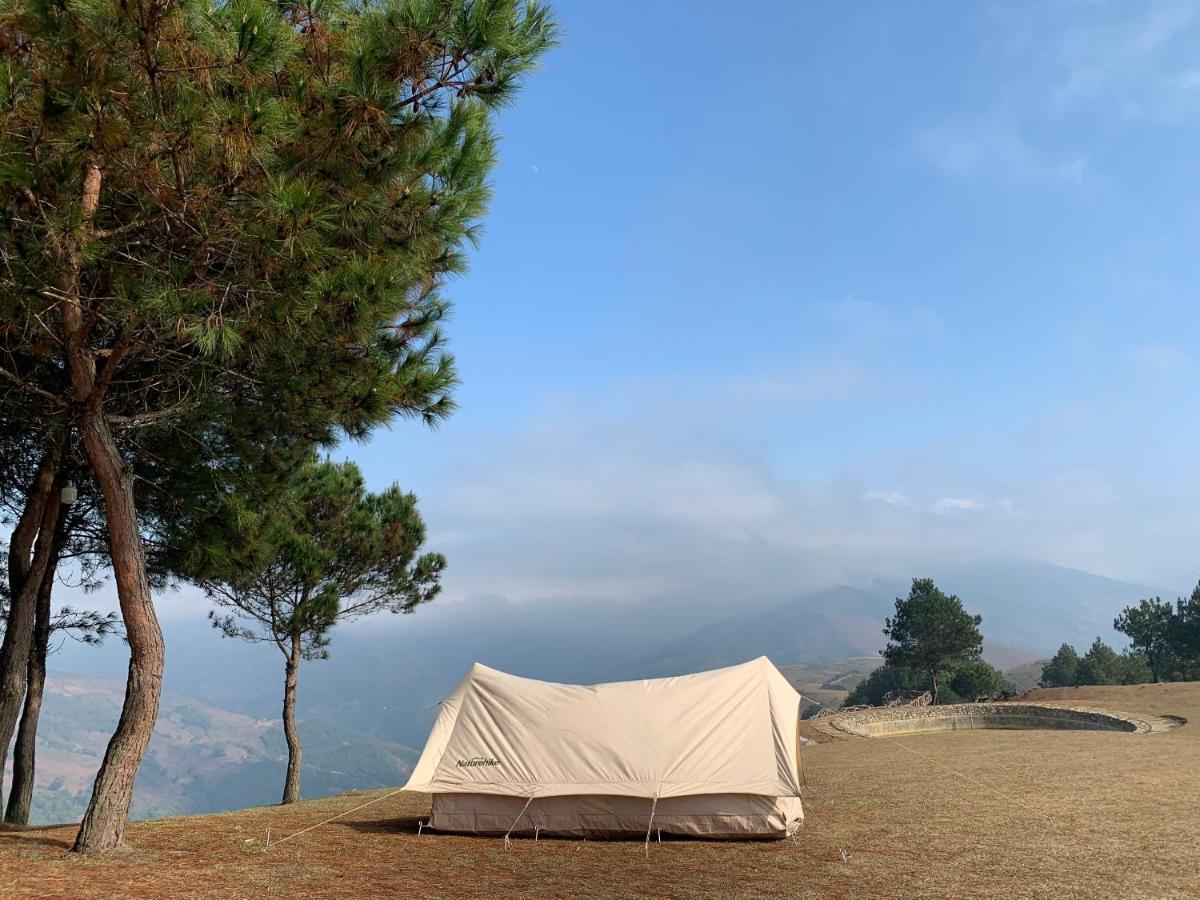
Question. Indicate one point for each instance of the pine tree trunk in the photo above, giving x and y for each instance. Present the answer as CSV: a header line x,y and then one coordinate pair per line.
x,y
21,541
933,675
103,825
291,785
18,632
21,797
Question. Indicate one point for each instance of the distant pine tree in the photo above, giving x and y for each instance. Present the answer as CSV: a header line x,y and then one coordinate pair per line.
x,y
1061,670
930,630
1103,665
1148,627
1185,635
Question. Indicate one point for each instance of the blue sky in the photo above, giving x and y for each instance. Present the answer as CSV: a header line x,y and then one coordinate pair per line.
x,y
790,293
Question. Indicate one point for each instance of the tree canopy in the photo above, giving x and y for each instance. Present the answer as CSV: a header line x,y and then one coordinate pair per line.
x,y
1148,626
1059,671
1167,635
317,550
1101,665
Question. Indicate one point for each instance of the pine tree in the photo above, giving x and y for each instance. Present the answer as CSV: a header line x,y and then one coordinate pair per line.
x,y
317,550
1148,627
930,630
1185,635
1101,665
34,546
1060,671
29,462
226,230
70,538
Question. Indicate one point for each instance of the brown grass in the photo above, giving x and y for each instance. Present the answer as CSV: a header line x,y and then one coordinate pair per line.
x,y
1125,811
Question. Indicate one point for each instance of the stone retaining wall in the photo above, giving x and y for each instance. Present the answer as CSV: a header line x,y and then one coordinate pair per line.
x,y
896,720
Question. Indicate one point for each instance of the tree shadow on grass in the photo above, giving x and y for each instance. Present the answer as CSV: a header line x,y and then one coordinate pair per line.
x,y
46,837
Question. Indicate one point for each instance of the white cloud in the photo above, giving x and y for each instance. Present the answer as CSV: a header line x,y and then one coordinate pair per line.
x,y
945,505
1059,62
1122,58
1165,359
889,498
596,506
994,145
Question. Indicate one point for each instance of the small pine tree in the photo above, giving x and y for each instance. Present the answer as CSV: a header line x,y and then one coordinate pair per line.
x,y
1100,665
1061,670
317,551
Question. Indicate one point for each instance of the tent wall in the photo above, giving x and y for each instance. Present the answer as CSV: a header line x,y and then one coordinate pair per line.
x,y
699,815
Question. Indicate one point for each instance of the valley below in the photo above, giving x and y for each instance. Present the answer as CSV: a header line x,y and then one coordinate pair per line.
x,y
203,758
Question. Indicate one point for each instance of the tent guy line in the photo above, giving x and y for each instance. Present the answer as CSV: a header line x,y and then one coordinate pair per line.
x,y
331,819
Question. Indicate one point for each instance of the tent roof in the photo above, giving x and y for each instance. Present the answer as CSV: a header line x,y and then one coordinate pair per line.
x,y
730,730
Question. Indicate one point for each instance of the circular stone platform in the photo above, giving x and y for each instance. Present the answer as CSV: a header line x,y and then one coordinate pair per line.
x,y
888,721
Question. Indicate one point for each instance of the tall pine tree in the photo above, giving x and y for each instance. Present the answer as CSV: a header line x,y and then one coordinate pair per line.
x,y
225,230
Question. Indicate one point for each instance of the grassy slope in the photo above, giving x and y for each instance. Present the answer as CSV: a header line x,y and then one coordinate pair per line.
x,y
1125,811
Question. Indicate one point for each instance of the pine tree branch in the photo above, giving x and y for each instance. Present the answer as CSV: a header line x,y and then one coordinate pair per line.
x,y
33,388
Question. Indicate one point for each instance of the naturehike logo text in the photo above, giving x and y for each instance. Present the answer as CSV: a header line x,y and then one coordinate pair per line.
x,y
477,761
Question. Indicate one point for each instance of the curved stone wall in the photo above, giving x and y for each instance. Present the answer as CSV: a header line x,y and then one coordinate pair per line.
x,y
897,720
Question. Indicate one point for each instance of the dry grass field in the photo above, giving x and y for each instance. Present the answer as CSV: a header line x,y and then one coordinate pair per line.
x,y
1083,814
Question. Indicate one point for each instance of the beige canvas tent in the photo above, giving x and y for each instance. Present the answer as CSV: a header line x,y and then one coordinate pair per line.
x,y
713,754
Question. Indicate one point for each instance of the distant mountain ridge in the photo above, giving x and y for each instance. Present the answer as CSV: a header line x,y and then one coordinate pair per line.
x,y
1028,609
828,625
